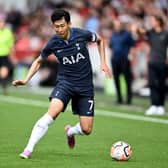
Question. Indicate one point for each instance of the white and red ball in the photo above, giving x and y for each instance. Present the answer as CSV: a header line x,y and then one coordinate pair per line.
x,y
120,151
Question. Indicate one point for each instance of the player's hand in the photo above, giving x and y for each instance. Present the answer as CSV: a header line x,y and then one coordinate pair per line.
x,y
19,82
105,68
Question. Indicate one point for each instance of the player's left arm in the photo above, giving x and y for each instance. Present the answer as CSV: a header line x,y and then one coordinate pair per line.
x,y
103,65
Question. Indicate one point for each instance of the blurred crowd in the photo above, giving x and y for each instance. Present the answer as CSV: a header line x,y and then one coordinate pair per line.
x,y
32,28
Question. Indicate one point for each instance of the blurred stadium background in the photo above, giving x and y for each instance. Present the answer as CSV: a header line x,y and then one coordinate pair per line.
x,y
29,21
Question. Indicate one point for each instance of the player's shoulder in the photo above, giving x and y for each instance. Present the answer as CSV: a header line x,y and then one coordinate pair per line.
x,y
54,40
84,34
80,31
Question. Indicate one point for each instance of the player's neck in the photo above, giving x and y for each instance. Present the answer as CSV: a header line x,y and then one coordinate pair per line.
x,y
158,29
66,38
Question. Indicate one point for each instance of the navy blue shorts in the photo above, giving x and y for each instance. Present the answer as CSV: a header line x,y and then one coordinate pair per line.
x,y
82,100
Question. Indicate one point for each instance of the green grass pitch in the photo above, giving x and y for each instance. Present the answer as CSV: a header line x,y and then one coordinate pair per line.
x,y
149,140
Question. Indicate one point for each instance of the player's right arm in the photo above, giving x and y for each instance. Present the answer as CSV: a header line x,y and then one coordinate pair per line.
x,y
33,69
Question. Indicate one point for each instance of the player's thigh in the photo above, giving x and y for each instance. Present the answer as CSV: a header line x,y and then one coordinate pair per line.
x,y
4,71
60,97
56,106
83,105
86,123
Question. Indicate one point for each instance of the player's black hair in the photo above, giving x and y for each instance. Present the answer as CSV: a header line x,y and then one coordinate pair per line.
x,y
58,14
159,19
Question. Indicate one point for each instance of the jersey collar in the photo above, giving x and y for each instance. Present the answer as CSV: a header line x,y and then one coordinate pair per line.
x,y
71,34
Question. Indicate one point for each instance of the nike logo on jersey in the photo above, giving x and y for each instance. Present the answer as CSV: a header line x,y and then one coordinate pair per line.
x,y
73,59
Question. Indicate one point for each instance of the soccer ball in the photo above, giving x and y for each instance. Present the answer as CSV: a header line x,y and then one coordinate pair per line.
x,y
120,151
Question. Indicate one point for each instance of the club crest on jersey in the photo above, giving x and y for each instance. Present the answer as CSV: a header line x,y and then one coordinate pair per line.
x,y
73,59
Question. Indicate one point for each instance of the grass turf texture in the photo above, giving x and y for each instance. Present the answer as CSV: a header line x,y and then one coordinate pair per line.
x,y
148,140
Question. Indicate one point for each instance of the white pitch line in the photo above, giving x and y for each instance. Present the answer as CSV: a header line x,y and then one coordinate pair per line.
x,y
37,103
23,101
131,116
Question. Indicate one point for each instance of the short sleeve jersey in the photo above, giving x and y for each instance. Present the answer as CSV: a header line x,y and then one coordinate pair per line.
x,y
74,62
6,42
158,43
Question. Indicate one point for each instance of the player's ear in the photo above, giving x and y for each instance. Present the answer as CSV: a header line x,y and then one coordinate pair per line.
x,y
69,23
99,38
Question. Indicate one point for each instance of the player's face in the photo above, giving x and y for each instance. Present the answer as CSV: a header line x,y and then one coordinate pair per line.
x,y
117,26
61,28
154,22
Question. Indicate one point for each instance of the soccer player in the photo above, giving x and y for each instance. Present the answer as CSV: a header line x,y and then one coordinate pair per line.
x,y
6,50
74,79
